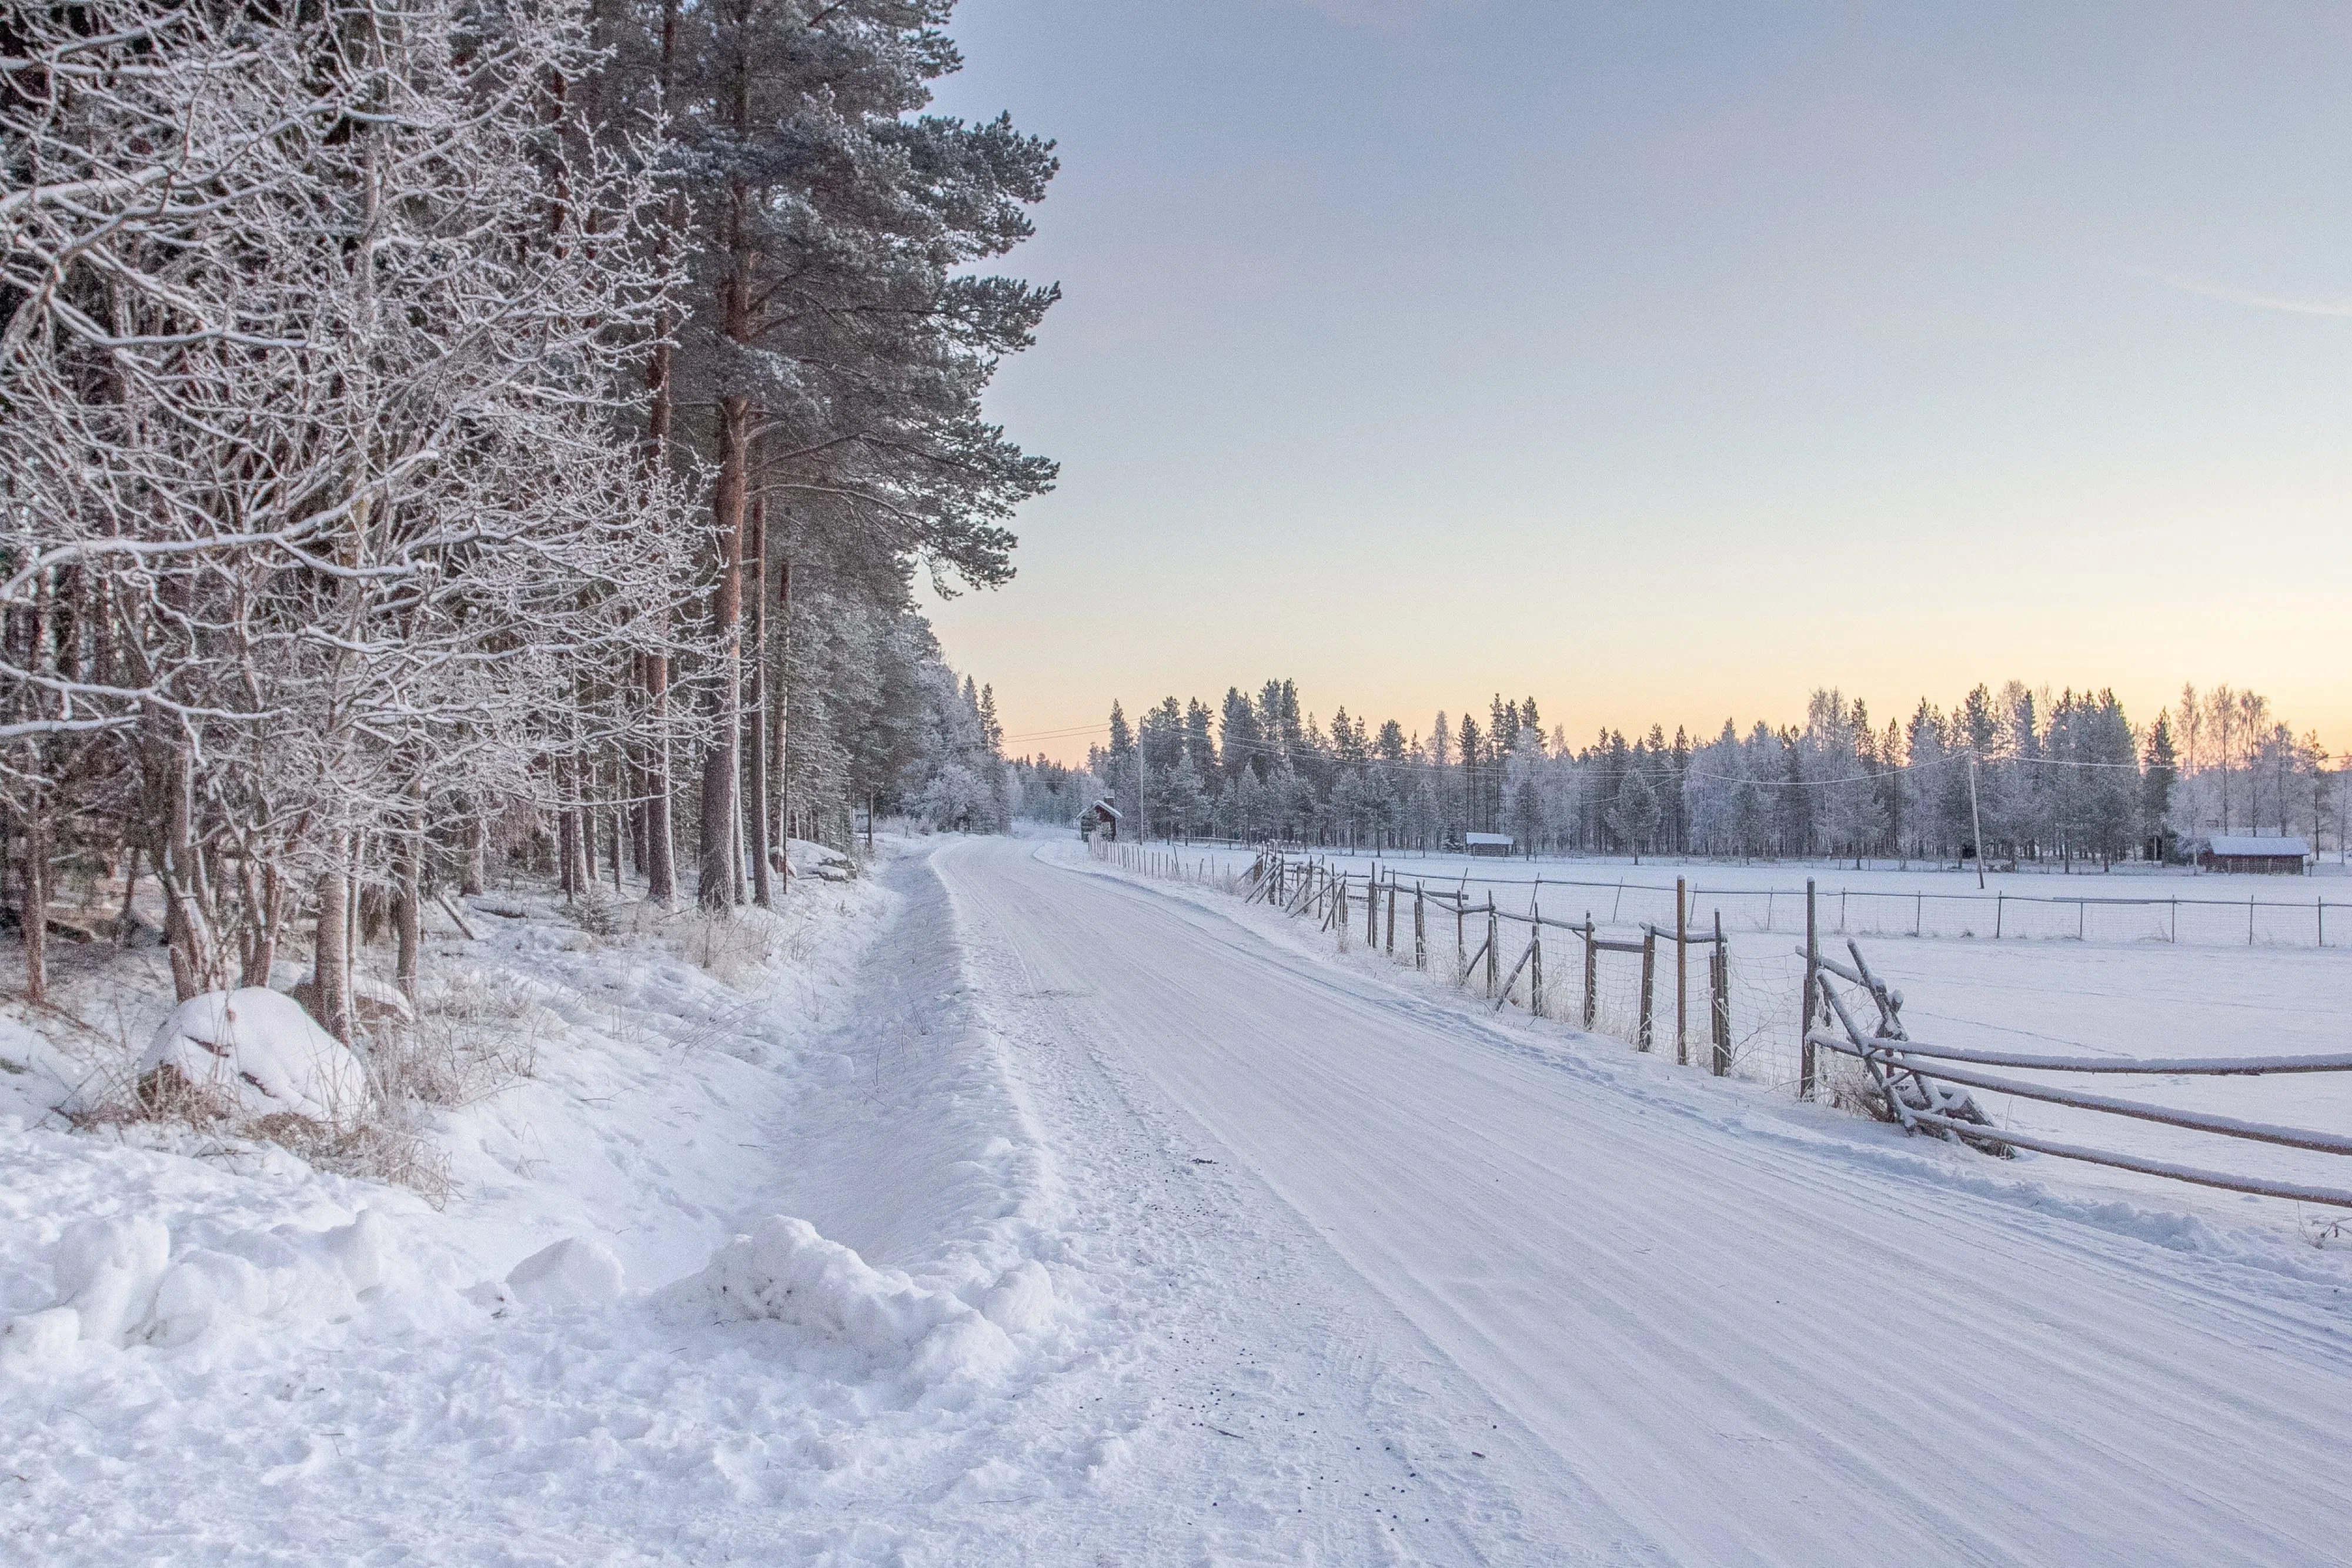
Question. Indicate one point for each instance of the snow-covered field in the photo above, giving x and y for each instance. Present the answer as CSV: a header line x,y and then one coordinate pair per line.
x,y
1022,1210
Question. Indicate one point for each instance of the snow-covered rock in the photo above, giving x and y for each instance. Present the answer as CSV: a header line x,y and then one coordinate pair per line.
x,y
805,857
258,1053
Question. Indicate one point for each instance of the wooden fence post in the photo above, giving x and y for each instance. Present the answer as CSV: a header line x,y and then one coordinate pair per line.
x,y
1805,1003
1682,974
1392,898
1720,998
1535,972
1420,930
1494,959
1641,1037
1591,970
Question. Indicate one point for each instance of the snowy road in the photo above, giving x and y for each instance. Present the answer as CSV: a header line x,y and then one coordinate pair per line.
x,y
1689,1331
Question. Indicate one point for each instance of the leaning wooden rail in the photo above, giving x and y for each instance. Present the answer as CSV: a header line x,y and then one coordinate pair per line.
x,y
2225,1180
2229,1126
2182,1066
1890,1058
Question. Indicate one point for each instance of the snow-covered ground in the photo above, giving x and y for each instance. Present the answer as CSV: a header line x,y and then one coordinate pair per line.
x,y
1026,1211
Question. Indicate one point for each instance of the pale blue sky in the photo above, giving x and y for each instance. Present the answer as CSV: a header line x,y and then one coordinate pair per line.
x,y
1667,361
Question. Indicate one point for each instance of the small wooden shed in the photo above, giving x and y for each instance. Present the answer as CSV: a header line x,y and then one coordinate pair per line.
x,y
2241,852
1496,844
1102,817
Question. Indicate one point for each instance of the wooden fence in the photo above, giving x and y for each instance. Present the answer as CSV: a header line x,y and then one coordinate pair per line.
x,y
1332,895
1927,1087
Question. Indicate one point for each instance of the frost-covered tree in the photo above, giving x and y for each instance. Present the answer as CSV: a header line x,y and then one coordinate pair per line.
x,y
311,328
366,362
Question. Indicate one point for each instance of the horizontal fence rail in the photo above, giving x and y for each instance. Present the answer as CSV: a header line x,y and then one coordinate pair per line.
x,y
1920,1086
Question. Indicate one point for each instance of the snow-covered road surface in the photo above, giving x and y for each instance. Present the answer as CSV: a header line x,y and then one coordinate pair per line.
x,y
1694,1327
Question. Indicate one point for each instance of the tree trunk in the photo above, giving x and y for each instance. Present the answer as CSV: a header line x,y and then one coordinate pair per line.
x,y
763,889
268,901
407,914
567,835
620,821
180,872
723,763
331,963
584,836
780,709
722,866
125,924
476,853
661,838
637,778
660,855
37,900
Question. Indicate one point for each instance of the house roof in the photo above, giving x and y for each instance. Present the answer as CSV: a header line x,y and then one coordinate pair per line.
x,y
2244,844
1485,837
1105,809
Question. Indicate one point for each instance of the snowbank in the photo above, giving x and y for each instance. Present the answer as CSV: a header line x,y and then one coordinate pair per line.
x,y
785,1272
252,1371
120,1283
256,1054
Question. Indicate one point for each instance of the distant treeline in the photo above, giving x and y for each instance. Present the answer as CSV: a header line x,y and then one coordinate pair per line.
x,y
2066,776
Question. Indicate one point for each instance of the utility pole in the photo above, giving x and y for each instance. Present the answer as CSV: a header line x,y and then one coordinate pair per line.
x,y
1976,820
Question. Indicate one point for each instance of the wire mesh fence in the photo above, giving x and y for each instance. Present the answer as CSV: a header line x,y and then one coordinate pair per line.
x,y
1675,984
2264,917
1994,915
